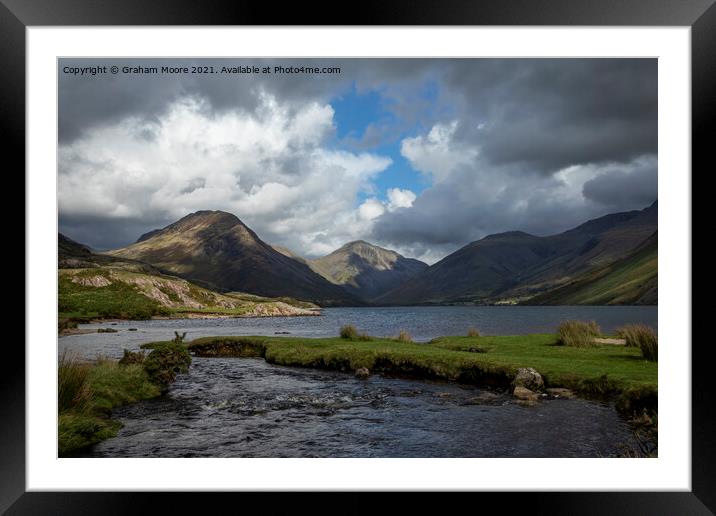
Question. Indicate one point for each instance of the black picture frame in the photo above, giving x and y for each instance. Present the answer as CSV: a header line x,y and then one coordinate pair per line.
x,y
17,15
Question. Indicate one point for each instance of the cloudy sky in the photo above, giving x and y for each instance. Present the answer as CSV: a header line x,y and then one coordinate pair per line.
x,y
418,155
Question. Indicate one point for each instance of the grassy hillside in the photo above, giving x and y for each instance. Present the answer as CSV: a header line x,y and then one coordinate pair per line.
x,y
116,292
630,281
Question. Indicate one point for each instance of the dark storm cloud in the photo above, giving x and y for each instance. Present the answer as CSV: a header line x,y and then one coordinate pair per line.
x,y
103,234
552,113
622,190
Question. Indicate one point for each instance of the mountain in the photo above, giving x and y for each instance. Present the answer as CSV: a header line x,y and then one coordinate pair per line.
x,y
632,280
366,270
513,266
287,252
95,285
216,250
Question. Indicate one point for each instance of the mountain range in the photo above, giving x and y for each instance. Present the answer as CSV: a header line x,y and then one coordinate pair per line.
x,y
515,266
608,260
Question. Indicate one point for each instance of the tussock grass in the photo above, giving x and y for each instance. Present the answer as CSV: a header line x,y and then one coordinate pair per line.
x,y
642,337
473,332
578,334
349,332
73,388
404,336
131,357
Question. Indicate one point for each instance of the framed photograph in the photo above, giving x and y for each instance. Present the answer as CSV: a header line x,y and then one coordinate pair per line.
x,y
423,252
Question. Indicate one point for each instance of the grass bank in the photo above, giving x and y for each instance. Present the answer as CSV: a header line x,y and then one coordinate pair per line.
x,y
604,371
87,392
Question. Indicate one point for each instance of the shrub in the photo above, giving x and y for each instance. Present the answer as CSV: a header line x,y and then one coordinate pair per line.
x,y
73,390
66,324
165,361
578,333
643,337
132,357
404,336
349,332
473,332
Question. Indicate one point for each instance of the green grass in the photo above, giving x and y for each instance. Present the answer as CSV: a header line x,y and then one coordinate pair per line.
x,y
601,370
86,395
114,385
117,300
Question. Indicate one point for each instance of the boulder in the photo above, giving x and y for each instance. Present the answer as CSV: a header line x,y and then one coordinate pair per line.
x,y
362,372
528,378
522,393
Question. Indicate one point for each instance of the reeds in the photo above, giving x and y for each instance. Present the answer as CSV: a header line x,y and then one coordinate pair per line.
x,y
643,337
578,334
473,332
73,390
349,332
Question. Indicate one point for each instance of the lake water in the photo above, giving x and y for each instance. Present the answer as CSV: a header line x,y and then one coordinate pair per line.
x,y
234,407
422,323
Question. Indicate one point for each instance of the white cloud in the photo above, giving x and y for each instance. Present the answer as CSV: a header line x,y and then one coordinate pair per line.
x,y
436,153
398,198
371,209
270,168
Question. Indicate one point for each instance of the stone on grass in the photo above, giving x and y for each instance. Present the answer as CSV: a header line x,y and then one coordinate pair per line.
x,y
529,379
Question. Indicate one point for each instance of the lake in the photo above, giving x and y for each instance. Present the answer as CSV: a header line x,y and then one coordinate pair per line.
x,y
422,323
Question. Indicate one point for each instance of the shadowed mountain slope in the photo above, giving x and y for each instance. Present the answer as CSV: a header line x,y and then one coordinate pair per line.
x,y
215,249
632,280
516,265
